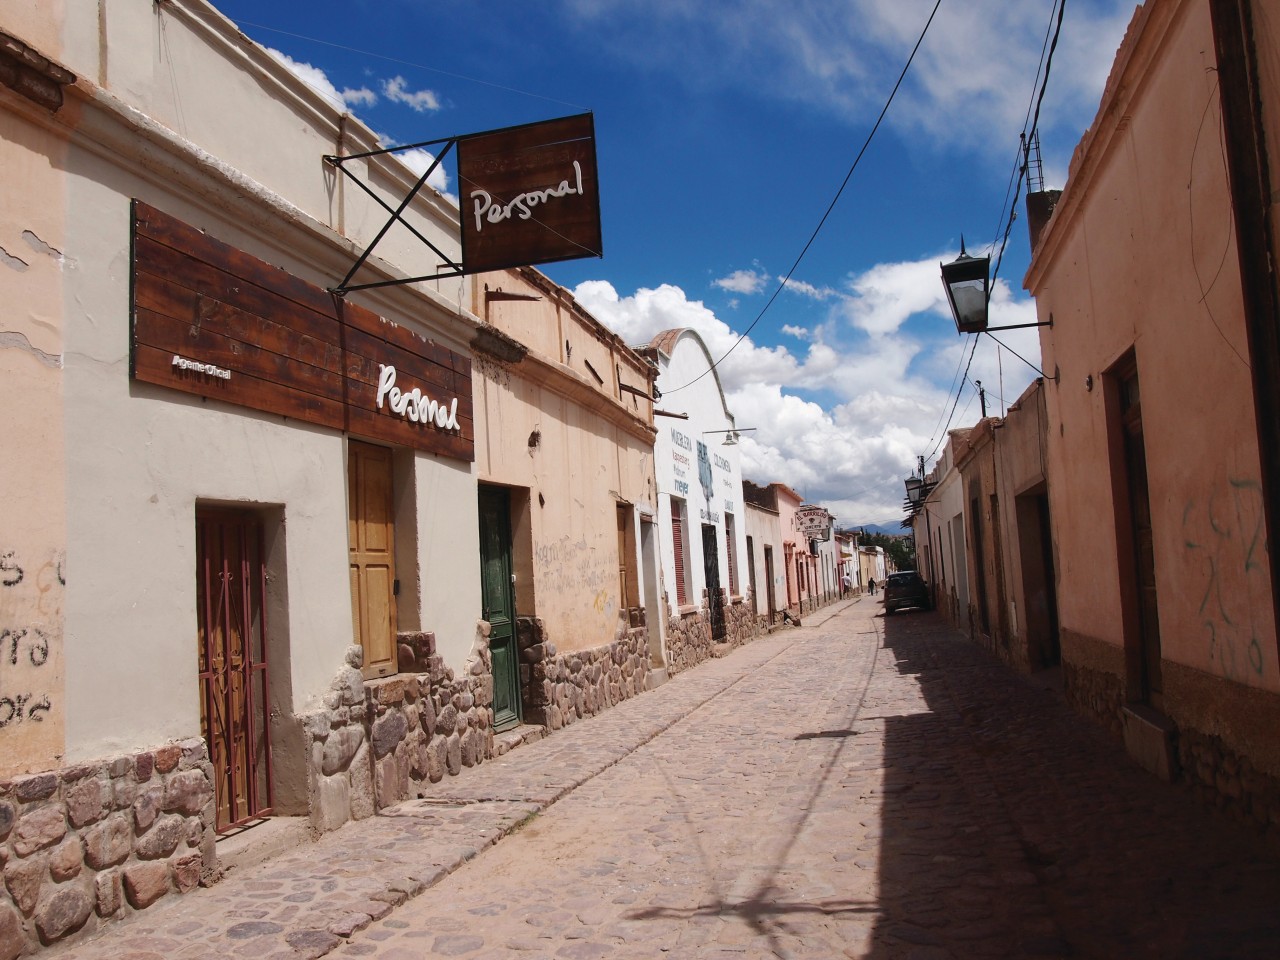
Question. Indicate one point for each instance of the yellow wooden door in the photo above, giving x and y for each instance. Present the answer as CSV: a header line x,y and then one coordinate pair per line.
x,y
371,543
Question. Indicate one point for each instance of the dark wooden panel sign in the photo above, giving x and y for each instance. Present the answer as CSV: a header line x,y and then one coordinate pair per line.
x,y
529,194
213,321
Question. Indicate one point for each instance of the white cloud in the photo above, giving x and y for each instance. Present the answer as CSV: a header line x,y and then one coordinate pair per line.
x,y
313,77
972,77
886,295
809,290
419,161
743,281
843,418
419,100
361,97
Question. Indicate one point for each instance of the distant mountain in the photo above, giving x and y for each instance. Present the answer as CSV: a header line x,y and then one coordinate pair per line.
x,y
890,528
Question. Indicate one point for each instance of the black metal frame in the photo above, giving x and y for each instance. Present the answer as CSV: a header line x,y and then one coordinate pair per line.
x,y
454,269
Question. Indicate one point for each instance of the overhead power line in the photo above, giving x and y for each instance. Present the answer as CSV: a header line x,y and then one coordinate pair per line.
x,y
1030,129
831,206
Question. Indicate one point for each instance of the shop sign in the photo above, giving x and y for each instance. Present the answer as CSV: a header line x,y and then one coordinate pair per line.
x,y
216,322
530,194
814,522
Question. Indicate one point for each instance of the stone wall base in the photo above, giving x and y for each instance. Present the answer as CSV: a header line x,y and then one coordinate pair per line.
x,y
377,742
1097,694
559,688
86,845
689,641
1230,771
1230,783
374,740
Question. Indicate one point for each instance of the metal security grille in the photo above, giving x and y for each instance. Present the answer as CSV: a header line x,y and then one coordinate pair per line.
x,y
233,662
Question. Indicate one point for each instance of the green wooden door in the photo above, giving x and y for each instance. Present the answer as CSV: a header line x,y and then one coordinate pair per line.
x,y
498,602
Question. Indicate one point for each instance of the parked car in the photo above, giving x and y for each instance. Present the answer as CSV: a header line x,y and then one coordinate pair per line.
x,y
905,589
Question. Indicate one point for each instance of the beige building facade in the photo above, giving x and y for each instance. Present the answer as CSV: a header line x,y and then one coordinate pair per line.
x,y
565,460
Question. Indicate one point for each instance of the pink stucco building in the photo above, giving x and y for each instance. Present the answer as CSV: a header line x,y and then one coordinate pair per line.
x,y
1158,272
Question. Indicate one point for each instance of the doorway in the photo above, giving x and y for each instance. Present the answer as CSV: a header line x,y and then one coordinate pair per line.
x,y
768,584
371,553
497,596
711,571
232,650
1150,685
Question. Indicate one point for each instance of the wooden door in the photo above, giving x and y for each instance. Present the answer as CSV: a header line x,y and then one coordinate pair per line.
x,y
768,583
498,604
1151,679
232,649
371,548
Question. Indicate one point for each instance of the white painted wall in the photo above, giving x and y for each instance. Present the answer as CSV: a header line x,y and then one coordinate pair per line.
x,y
676,465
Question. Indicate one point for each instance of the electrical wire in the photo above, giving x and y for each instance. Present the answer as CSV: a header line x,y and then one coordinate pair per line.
x,y
972,350
1020,161
1016,180
831,206
1035,127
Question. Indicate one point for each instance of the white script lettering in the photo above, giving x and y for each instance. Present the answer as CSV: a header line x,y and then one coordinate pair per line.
x,y
523,204
413,404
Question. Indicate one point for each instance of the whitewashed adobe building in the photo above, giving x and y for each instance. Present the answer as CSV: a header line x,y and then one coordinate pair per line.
x,y
701,513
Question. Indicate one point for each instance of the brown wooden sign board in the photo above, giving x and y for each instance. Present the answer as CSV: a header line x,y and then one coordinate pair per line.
x,y
529,194
213,321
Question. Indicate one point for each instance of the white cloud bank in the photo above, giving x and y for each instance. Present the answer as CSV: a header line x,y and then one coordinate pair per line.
x,y
882,391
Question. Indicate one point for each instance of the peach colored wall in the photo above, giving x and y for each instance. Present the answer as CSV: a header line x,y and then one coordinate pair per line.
x,y
33,468
787,505
594,450
1140,255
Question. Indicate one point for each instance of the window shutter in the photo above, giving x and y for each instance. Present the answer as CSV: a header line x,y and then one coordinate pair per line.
x,y
677,541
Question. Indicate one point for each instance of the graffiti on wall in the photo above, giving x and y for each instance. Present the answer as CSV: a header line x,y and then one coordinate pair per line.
x,y
1226,535
569,567
30,651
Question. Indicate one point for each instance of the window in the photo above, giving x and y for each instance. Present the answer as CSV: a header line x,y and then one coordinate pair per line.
x,y
679,550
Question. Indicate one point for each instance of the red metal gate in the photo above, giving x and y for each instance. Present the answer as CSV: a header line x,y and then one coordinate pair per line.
x,y
233,661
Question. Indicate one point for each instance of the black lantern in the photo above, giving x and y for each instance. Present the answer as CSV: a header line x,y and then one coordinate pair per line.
x,y
965,279
915,489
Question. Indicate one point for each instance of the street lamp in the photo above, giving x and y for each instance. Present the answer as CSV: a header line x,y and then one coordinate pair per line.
x,y
915,489
969,293
732,436
965,280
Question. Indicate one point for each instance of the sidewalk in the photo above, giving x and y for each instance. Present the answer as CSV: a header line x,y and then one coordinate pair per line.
x,y
305,903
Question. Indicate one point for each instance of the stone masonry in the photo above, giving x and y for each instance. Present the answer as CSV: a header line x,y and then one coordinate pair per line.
x,y
91,843
689,640
375,739
560,688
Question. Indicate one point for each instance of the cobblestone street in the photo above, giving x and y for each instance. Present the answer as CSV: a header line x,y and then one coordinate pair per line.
x,y
863,786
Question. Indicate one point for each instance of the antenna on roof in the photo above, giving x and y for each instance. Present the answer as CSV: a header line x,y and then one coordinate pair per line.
x,y
1032,166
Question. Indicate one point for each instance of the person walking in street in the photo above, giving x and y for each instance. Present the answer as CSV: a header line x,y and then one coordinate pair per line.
x,y
846,585
871,585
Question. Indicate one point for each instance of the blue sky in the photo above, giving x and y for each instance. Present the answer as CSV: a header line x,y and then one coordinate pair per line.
x,y
724,131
